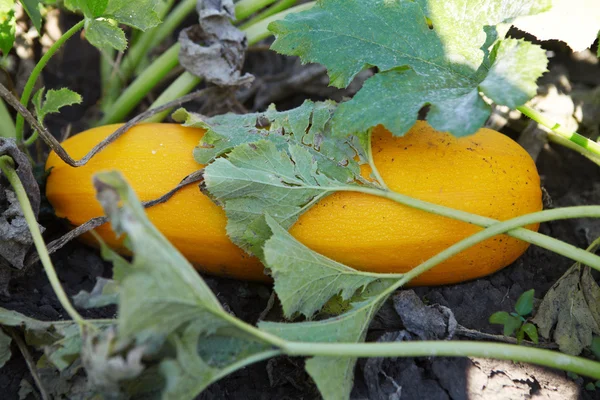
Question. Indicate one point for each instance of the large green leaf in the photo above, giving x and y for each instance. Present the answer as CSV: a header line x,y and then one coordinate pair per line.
x,y
8,23
446,66
163,298
306,280
334,376
281,163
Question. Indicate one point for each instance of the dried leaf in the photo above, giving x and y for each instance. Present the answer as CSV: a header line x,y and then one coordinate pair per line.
x,y
104,370
15,238
569,311
215,49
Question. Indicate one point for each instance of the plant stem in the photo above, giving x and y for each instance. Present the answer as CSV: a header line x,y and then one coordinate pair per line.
x,y
259,31
7,125
274,9
527,235
155,73
7,167
245,8
38,70
371,161
582,142
154,37
141,86
453,348
180,87
502,227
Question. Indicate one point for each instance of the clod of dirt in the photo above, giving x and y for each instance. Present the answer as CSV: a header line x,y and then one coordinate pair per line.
x,y
434,322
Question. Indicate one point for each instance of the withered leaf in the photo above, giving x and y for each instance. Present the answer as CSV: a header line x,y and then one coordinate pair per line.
x,y
214,49
569,313
15,238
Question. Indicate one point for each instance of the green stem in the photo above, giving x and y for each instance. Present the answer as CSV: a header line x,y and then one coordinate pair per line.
x,y
107,57
527,235
7,125
161,67
29,85
371,161
259,31
581,141
503,227
141,86
180,87
7,167
154,37
274,9
245,8
454,348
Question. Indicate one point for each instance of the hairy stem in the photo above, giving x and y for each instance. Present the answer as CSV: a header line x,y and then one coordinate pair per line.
x,y
155,73
453,348
527,235
245,8
140,87
7,125
146,42
7,167
371,161
583,144
38,70
281,5
184,84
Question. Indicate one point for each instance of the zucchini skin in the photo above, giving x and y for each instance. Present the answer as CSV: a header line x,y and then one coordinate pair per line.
x,y
487,174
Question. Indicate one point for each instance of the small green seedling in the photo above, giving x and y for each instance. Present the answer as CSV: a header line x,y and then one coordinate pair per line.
x,y
516,321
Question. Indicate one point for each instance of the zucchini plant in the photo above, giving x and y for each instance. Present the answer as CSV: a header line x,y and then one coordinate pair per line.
x,y
265,171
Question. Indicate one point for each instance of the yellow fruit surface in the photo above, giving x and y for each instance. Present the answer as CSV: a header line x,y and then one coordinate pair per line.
x,y
486,174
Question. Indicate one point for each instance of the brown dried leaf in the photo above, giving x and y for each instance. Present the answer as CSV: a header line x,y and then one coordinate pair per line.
x,y
215,49
15,238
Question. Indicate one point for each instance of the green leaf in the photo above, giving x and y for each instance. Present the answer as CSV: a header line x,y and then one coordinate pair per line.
x,y
445,67
5,342
306,125
511,323
283,176
511,81
334,375
524,304
160,284
32,8
140,14
531,331
162,296
8,24
188,374
499,317
90,8
304,279
395,97
60,340
54,101
103,34
460,24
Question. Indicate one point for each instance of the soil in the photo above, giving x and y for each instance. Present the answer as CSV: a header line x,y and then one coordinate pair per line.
x,y
568,178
